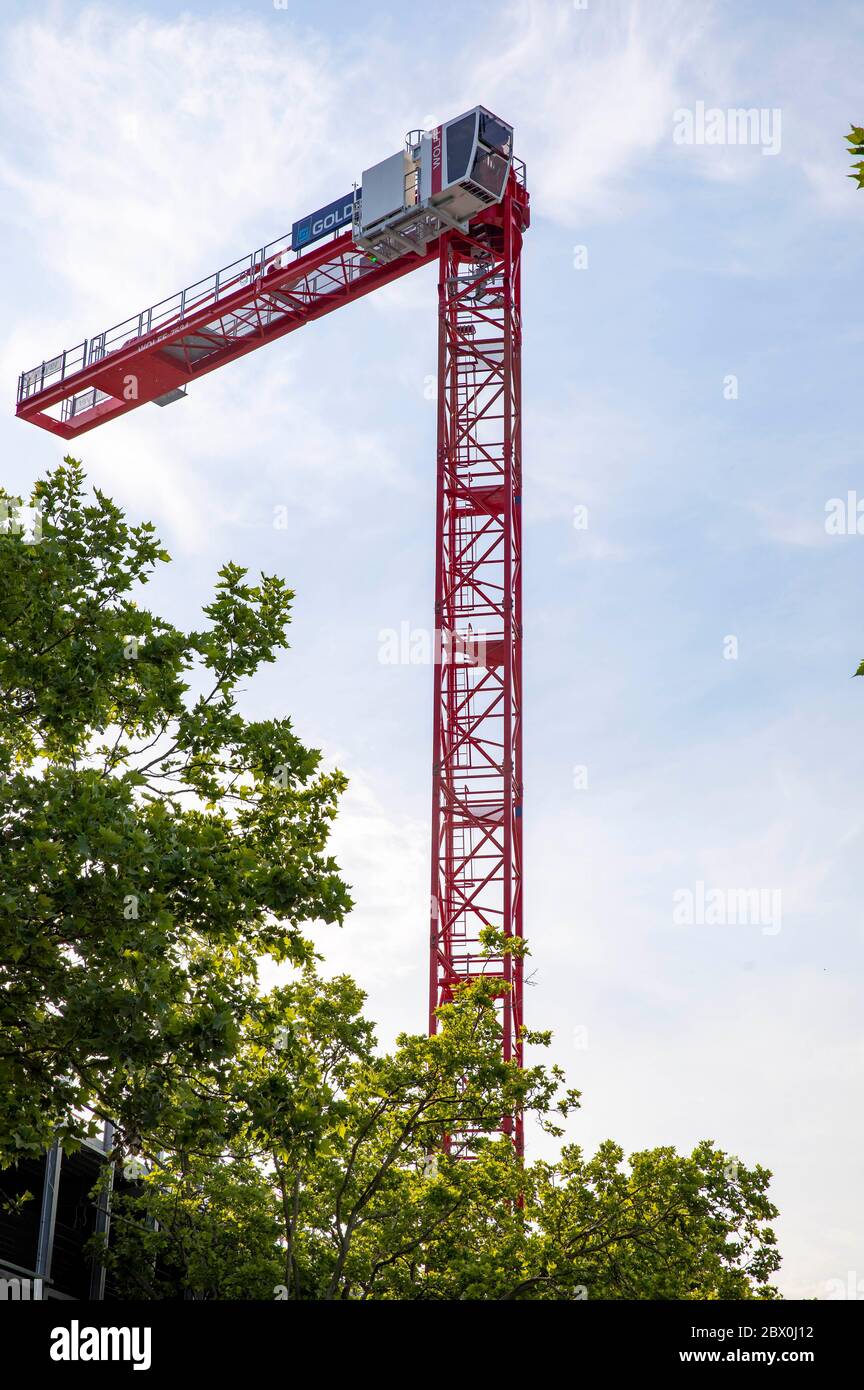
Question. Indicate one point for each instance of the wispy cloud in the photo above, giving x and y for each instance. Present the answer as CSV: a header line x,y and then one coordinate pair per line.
x,y
595,90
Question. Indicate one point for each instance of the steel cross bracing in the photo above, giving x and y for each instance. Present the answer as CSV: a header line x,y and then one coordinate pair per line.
x,y
477,750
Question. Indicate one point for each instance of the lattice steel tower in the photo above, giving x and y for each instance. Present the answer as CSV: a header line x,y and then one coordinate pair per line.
x,y
456,194
477,741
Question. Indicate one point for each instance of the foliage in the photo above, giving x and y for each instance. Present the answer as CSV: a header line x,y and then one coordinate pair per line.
x,y
153,842
384,1185
856,147
206,1232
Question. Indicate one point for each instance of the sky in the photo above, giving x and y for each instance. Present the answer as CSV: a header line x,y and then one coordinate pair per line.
x,y
692,367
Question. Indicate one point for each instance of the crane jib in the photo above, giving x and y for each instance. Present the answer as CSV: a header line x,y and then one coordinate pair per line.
x,y
318,224
455,195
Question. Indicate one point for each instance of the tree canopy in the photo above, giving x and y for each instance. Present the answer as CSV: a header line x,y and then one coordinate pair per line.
x,y
327,1175
155,844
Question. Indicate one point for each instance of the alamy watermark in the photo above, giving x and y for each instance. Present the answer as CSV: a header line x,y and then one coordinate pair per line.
x,y
18,520
418,646
844,516
21,1290
851,1287
77,1343
728,907
736,125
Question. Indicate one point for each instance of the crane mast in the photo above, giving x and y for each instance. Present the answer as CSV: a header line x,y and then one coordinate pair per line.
x,y
477,740
458,195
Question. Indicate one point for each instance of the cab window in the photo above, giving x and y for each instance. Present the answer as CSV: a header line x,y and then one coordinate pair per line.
x,y
495,134
460,143
490,171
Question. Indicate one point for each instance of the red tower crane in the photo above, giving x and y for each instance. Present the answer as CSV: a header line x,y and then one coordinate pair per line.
x,y
455,193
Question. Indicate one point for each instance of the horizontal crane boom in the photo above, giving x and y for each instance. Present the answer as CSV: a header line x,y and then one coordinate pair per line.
x,y
154,355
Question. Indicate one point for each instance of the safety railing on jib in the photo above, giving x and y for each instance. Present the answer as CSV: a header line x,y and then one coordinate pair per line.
x,y
177,307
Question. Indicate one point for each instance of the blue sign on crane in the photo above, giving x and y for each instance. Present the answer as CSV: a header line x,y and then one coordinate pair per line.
x,y
319,223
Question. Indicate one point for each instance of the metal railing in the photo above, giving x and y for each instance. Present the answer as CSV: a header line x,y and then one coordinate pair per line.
x,y
175,309
85,400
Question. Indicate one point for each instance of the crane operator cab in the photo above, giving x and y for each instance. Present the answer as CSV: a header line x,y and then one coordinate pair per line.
x,y
441,179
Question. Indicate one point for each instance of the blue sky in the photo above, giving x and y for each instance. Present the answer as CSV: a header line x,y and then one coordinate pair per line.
x,y
147,144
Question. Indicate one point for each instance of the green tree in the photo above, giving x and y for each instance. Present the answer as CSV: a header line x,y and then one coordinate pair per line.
x,y
208,1231
383,1179
153,842
856,147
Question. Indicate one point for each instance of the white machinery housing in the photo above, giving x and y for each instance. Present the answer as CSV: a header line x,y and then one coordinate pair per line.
x,y
441,179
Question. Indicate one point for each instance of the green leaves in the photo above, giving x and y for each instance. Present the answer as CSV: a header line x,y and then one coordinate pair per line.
x,y
212,1233
671,1227
153,842
856,143
354,1156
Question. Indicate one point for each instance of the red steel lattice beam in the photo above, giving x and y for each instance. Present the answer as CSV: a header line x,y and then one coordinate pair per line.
x,y
163,349
477,740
